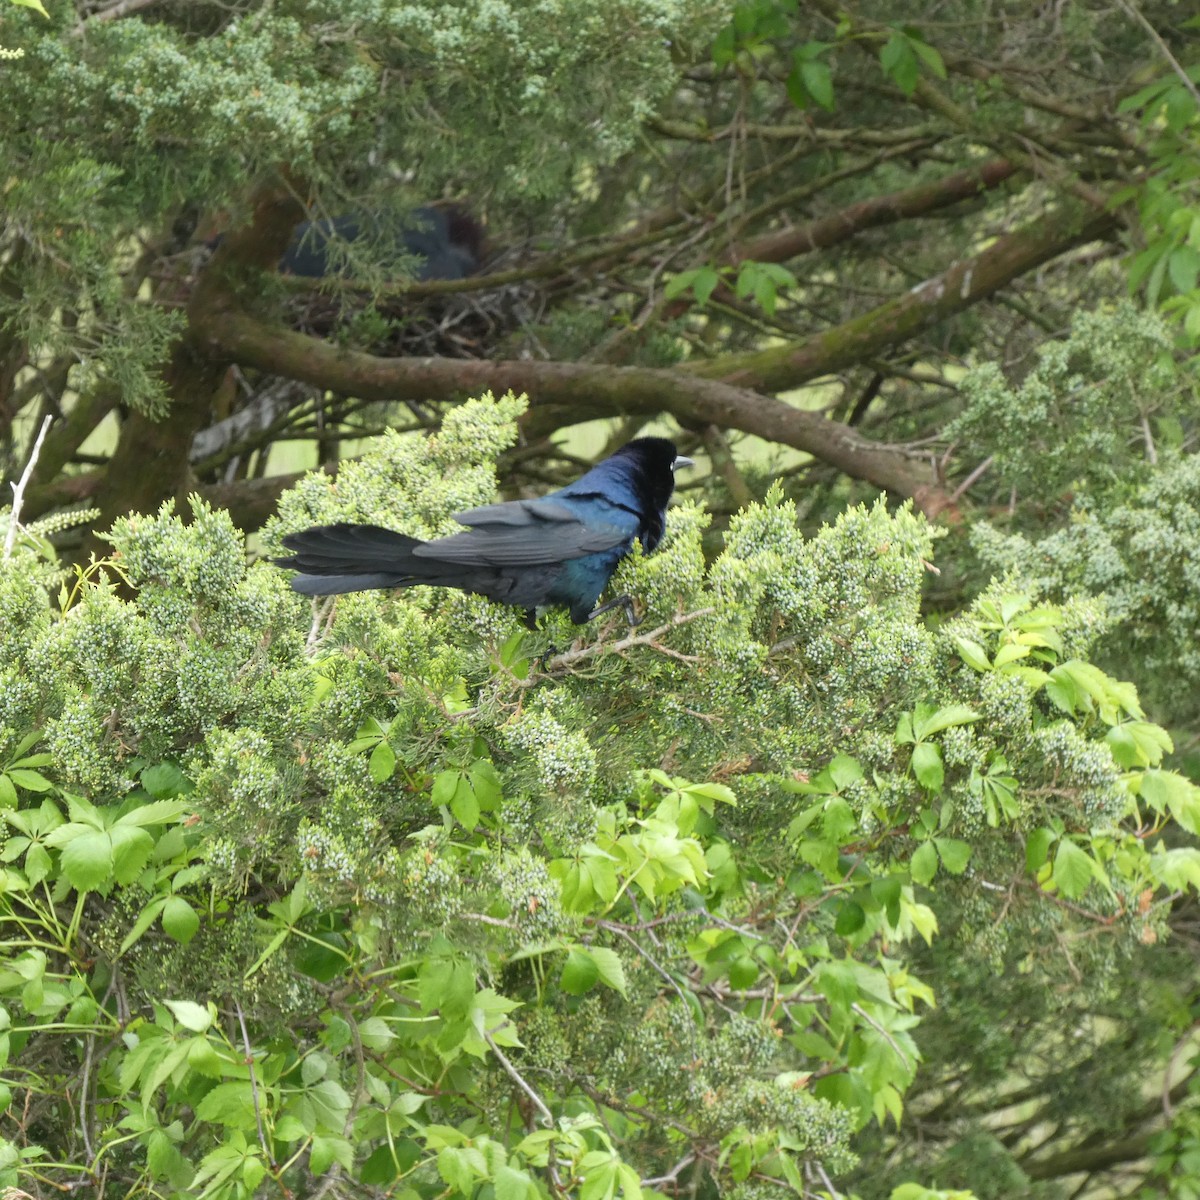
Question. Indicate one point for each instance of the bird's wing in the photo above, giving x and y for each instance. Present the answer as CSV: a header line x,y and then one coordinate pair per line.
x,y
525,533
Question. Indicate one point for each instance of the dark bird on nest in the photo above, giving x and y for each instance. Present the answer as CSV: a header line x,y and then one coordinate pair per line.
x,y
446,239
561,549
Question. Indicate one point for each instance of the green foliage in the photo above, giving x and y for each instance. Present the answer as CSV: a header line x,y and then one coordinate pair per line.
x,y
377,891
1089,413
141,117
1168,199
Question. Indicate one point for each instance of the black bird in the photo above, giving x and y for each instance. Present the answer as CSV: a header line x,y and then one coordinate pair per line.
x,y
534,554
448,240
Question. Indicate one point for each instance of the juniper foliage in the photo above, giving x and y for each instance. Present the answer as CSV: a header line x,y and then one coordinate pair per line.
x,y
385,895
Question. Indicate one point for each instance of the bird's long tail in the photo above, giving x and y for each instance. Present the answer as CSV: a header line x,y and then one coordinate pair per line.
x,y
348,558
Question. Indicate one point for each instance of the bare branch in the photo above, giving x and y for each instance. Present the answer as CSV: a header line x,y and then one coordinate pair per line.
x,y
14,516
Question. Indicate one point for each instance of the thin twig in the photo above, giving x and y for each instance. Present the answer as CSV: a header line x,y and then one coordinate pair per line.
x,y
612,927
85,1117
569,657
262,1137
833,1192
673,1174
887,1037
1133,11
974,476
518,1079
1148,438
14,517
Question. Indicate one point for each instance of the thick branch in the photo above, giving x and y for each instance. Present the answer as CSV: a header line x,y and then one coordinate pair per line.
x,y
962,285
879,210
150,462
567,393
1109,1153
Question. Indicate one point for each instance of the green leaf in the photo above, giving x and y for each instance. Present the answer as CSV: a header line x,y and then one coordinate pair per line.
x,y
924,863
230,1104
382,763
445,784
290,1129
900,63
1184,268
678,284
164,780
326,1150
131,848
1171,791
8,793
510,1184
954,854
30,781
929,56
1037,847
818,81
1177,869
87,860
179,919
612,971
37,863
1073,869
926,723
157,812
580,972
850,919
486,782
464,804
927,766
203,1057
705,284
190,1015
144,920
972,653
844,770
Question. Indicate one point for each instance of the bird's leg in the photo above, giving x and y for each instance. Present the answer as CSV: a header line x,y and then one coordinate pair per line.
x,y
625,602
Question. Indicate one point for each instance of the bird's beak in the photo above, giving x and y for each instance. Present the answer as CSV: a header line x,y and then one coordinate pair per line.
x,y
681,461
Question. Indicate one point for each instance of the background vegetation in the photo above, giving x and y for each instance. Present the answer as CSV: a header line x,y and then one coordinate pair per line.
x,y
865,866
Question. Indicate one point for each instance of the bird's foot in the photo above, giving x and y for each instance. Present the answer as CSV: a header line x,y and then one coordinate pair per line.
x,y
623,602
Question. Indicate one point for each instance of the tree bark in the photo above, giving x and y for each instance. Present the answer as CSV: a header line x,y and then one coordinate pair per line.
x,y
150,463
963,284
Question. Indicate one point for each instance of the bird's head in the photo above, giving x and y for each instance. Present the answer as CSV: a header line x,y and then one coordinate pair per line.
x,y
649,466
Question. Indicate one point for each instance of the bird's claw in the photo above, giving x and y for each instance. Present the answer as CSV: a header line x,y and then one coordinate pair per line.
x,y
624,603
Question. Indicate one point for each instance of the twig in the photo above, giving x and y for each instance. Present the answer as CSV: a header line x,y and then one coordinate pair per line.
x,y
322,615
262,1137
1184,1042
974,476
85,1116
1133,11
887,1037
672,1174
833,1192
570,657
518,1079
14,517
1148,437
614,928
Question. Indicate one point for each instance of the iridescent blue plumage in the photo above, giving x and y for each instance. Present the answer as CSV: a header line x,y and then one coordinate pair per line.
x,y
561,549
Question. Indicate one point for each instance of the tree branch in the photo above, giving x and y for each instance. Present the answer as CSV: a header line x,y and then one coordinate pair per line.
x,y
963,284
879,210
569,393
